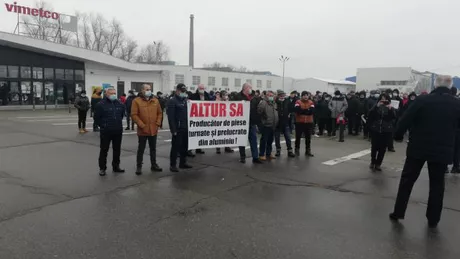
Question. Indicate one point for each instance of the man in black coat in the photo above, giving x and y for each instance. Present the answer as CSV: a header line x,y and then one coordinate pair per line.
x,y
200,95
394,97
369,103
128,104
324,115
284,108
352,114
425,117
456,165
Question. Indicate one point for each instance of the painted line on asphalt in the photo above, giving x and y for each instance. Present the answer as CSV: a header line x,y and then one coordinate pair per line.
x,y
347,158
52,120
48,117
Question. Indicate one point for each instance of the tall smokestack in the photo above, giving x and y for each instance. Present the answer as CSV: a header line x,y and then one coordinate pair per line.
x,y
191,54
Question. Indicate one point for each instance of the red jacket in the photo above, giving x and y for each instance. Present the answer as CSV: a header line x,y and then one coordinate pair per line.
x,y
123,99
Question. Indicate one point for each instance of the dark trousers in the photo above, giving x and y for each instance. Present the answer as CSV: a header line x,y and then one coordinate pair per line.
x,y
141,148
354,124
106,138
303,129
287,137
82,119
410,174
324,123
457,151
341,129
266,141
179,144
366,130
252,137
379,146
128,121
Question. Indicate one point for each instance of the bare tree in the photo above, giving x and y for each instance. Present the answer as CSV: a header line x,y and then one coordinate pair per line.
x,y
128,50
154,53
40,27
114,37
98,29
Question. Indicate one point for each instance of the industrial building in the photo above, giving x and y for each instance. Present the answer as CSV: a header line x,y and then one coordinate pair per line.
x,y
324,85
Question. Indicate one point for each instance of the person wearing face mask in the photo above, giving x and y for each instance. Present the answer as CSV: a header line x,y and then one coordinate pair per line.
x,y
147,114
323,114
269,120
361,110
95,99
395,97
128,104
109,117
223,97
292,100
177,118
352,114
369,103
304,109
338,105
283,107
200,95
82,104
381,118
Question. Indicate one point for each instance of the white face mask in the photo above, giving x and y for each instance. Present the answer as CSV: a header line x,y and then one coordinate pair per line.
x,y
337,96
412,98
83,95
201,91
376,95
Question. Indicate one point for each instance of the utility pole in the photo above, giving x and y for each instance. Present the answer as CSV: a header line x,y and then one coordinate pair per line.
x,y
284,59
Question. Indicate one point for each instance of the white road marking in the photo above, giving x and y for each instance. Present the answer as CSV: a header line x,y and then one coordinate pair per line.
x,y
349,157
48,117
52,120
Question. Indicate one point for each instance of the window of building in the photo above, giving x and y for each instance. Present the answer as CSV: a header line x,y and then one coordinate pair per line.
x,y
249,81
269,84
13,71
38,90
179,79
137,86
192,88
214,89
196,80
68,74
393,82
224,81
49,73
211,81
259,83
3,71
49,92
59,74
237,82
26,72
37,73
79,75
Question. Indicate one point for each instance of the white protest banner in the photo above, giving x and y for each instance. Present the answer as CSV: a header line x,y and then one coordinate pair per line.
x,y
217,124
395,104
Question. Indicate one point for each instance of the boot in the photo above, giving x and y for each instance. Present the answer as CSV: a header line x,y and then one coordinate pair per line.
x,y
218,151
262,158
455,170
199,151
291,154
118,170
155,168
127,128
185,166
378,168
372,166
138,170
229,150
297,152
190,154
278,153
173,169
271,157
308,153
81,131
102,172
85,130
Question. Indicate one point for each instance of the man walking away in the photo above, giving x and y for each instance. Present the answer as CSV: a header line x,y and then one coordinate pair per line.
x,y
109,117
269,121
146,112
128,104
82,105
304,109
284,109
177,118
95,99
338,105
456,165
248,95
425,117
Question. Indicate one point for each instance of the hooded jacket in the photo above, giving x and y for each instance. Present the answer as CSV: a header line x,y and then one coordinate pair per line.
x,y
82,103
337,106
268,114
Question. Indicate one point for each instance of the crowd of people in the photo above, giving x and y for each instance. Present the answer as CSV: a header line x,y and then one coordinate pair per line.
x,y
382,118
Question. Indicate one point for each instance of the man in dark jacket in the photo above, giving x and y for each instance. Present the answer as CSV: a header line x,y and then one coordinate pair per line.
x,y
352,114
370,102
395,97
361,110
456,164
292,100
109,118
283,106
200,95
95,99
82,104
128,104
177,118
324,115
246,94
425,117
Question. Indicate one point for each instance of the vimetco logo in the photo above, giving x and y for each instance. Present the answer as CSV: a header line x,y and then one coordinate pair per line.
x,y
14,8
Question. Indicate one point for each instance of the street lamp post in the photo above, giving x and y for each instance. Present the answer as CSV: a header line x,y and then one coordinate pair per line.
x,y
283,59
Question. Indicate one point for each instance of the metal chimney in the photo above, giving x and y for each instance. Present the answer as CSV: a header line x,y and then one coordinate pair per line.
x,y
191,55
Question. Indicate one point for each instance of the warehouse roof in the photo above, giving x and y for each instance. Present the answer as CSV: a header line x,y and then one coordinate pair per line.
x,y
336,82
71,52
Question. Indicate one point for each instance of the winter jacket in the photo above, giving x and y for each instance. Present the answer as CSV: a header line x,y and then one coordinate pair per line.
x,y
129,103
284,110
254,116
361,106
369,104
196,96
82,103
177,114
268,114
109,115
304,111
162,103
95,99
148,116
403,107
338,105
381,119
322,109
123,99
353,106
433,121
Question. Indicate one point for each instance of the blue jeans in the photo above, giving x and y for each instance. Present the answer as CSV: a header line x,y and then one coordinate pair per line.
x,y
252,136
266,141
287,136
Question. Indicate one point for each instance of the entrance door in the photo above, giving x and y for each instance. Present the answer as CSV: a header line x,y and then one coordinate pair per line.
x,y
120,88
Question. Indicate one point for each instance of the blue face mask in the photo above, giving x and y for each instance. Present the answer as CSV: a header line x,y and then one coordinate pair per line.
x,y
112,97
148,93
183,95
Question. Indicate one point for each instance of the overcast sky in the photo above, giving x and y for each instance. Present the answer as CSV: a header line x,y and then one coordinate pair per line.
x,y
323,38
